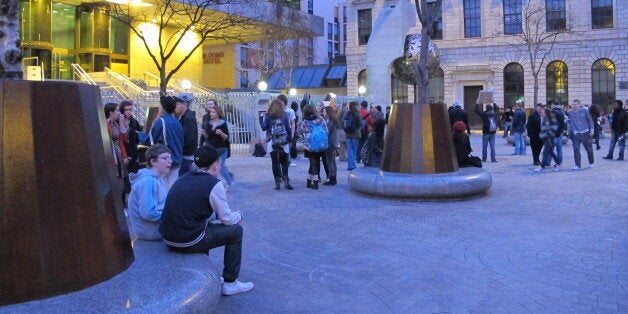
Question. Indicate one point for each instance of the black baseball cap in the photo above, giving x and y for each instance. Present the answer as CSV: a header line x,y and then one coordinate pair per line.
x,y
206,155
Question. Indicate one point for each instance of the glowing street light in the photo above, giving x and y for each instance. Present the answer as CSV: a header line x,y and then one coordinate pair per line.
x,y
262,86
186,84
292,91
361,90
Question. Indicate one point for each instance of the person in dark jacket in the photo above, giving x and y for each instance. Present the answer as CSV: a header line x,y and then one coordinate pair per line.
x,y
533,126
559,115
618,130
518,129
279,151
507,120
187,118
196,218
459,114
488,132
463,146
168,131
594,111
375,143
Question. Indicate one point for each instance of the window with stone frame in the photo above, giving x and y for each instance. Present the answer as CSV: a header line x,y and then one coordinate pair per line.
x,y
398,90
602,13
513,84
555,15
557,88
310,6
362,78
436,9
603,84
472,18
365,26
436,92
512,17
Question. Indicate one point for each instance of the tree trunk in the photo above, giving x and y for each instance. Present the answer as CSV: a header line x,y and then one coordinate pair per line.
x,y
10,55
536,88
163,83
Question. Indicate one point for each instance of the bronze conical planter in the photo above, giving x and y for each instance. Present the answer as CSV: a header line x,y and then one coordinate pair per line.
x,y
62,227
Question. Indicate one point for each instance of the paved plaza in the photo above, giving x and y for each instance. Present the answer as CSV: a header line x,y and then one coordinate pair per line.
x,y
538,242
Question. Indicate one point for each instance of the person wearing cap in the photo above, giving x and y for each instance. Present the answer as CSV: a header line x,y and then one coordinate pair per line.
x,y
533,127
582,130
197,218
168,131
148,193
458,114
187,118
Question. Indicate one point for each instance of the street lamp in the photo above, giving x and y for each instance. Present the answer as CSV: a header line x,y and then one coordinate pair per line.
x,y
262,86
186,85
361,90
292,91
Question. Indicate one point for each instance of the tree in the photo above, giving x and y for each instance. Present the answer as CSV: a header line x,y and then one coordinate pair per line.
x,y
175,21
11,56
530,34
422,68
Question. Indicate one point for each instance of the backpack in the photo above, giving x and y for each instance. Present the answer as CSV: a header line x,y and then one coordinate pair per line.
x,y
363,123
317,140
348,122
259,150
278,133
492,126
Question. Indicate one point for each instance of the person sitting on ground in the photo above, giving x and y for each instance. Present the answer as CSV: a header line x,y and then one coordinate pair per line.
x,y
197,217
148,193
463,147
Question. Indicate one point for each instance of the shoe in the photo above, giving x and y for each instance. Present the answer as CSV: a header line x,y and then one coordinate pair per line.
x,y
277,184
331,181
556,167
350,169
538,169
493,161
590,165
575,168
231,288
315,184
293,165
620,158
598,148
286,184
608,157
309,184
536,163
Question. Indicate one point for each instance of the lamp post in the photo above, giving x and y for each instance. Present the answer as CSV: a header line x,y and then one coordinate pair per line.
x,y
186,85
262,86
292,91
361,90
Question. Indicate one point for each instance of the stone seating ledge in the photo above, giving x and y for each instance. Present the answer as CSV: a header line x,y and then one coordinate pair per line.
x,y
159,281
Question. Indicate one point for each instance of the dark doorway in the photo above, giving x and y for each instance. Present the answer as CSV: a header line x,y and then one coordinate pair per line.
x,y
470,96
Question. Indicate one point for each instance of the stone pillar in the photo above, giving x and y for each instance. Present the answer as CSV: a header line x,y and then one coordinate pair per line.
x,y
419,140
62,227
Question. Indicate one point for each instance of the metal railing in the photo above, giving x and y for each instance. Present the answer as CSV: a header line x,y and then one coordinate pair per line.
x,y
82,76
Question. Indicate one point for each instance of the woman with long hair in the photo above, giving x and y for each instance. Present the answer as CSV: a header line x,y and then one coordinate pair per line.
x,y
311,121
112,116
330,154
278,136
353,138
215,132
129,128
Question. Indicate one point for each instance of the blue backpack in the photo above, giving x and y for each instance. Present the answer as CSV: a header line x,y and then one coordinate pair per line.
x,y
317,141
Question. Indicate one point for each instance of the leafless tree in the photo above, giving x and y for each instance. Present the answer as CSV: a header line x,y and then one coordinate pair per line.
x,y
421,68
208,19
10,54
536,38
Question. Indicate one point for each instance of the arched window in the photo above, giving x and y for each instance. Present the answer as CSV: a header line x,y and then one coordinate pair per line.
x,y
513,84
603,84
556,86
398,90
362,78
436,90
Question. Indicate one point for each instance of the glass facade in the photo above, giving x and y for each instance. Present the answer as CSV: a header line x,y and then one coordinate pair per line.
x,y
557,83
513,84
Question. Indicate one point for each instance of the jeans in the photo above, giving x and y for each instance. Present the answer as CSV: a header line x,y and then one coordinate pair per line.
x,y
520,144
587,142
488,139
224,171
548,153
536,144
507,127
558,143
217,235
352,151
617,139
330,158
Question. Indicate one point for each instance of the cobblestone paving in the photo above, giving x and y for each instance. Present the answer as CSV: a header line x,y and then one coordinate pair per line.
x,y
538,242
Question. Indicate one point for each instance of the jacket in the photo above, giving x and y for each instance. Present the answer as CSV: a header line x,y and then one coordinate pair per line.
x,y
580,121
518,121
190,132
357,133
533,126
485,119
305,129
174,136
146,203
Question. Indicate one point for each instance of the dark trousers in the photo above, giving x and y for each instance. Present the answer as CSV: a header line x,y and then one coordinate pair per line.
x,y
280,163
536,144
586,141
216,235
330,162
293,148
315,164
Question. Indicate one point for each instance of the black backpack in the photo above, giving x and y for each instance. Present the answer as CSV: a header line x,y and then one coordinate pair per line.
x,y
348,122
259,150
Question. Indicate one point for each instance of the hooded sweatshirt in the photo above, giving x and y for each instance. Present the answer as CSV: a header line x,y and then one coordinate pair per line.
x,y
146,202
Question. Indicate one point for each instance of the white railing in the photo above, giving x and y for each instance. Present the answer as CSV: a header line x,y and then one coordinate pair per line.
x,y
78,71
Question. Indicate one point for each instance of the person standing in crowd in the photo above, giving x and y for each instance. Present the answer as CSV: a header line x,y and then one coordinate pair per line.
x,y
375,143
330,154
168,131
197,218
367,125
293,145
130,140
518,128
548,129
310,127
533,126
507,120
353,138
594,111
581,132
215,132
618,130
342,139
489,128
148,195
113,116
459,114
559,115
278,136
187,118
292,117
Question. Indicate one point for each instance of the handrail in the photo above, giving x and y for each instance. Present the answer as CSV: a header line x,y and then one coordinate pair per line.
x,y
83,76
123,81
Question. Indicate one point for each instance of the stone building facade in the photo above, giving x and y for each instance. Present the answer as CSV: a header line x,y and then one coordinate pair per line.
x,y
590,64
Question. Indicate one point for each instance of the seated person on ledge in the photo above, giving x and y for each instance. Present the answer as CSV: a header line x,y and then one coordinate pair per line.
x,y
197,218
148,193
463,147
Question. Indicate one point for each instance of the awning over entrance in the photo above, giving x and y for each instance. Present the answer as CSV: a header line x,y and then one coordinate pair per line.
x,y
313,76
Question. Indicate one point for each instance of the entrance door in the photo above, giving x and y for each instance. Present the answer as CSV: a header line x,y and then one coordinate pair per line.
x,y
470,96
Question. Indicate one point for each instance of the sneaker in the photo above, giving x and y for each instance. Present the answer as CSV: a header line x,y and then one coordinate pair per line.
x,y
538,169
607,157
231,288
590,165
575,168
293,165
556,167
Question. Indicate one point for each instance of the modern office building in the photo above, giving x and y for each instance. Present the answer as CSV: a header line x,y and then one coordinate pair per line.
x,y
479,49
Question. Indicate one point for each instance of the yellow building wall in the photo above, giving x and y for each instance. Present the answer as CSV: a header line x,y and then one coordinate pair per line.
x,y
140,61
219,66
